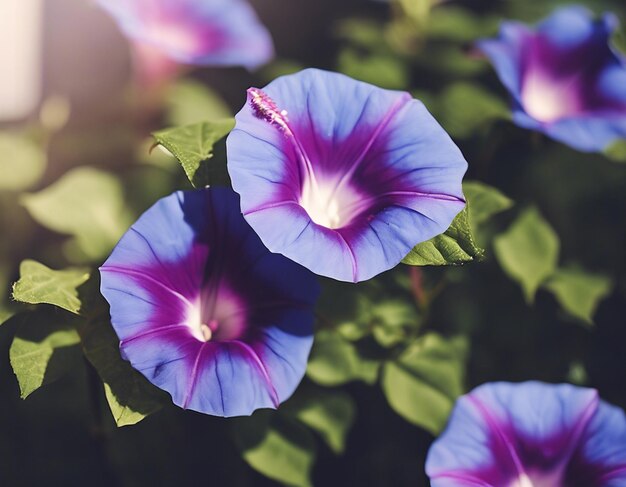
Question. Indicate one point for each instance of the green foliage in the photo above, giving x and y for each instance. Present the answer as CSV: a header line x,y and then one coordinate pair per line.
x,y
190,102
40,284
619,39
335,361
455,246
22,162
43,350
393,320
579,292
426,379
378,69
130,396
528,251
460,25
277,446
87,204
193,145
364,34
616,151
328,412
486,201
452,60
465,108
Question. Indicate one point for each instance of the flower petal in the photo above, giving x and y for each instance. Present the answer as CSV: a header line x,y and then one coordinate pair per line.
x,y
323,188
215,32
565,79
531,433
204,310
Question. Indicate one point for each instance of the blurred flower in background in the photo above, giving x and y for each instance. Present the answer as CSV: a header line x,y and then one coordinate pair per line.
x,y
531,434
360,174
565,78
204,311
166,34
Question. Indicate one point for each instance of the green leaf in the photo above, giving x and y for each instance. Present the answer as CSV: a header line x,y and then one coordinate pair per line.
x,y
22,162
485,201
450,60
424,382
43,350
330,413
616,151
130,396
579,292
190,102
363,34
380,70
193,144
528,251
393,319
455,246
459,24
276,446
465,108
619,39
335,361
87,204
40,284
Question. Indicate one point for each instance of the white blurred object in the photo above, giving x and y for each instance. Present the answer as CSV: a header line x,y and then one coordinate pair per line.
x,y
20,57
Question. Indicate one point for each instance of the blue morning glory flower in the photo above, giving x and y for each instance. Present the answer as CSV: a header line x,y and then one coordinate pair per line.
x,y
341,176
564,77
204,310
531,435
207,32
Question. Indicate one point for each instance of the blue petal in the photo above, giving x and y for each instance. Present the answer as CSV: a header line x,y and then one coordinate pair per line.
x,y
507,54
381,144
239,37
501,432
605,445
178,257
589,134
573,26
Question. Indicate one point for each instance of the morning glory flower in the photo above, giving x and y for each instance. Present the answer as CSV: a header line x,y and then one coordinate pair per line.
x,y
204,311
531,435
207,32
564,77
341,176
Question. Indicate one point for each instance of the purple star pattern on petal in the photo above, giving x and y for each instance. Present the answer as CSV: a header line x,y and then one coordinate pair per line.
x,y
205,311
531,435
341,176
209,32
565,79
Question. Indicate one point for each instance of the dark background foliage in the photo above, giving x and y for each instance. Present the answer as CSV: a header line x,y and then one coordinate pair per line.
x,y
64,435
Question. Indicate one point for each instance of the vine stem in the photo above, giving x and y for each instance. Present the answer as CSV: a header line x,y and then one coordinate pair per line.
x,y
417,286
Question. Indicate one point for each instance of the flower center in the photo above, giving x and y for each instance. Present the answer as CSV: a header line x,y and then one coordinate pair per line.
x,y
329,203
538,480
547,99
217,315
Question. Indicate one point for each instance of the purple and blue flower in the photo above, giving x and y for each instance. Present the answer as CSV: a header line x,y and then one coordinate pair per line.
x,y
341,176
205,311
531,435
209,32
564,77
